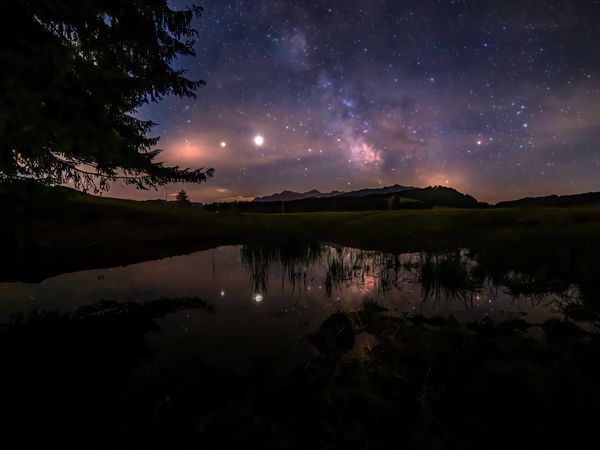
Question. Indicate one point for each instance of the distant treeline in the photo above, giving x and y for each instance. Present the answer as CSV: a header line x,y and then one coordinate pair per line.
x,y
173,203
322,204
410,199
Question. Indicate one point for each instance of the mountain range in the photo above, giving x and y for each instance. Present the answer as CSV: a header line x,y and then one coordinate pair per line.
x,y
437,195
386,198
289,196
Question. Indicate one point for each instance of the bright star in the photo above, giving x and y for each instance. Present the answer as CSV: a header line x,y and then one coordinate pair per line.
x,y
259,140
223,144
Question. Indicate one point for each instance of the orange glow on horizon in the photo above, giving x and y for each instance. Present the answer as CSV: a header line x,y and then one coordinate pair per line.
x,y
443,179
185,150
237,198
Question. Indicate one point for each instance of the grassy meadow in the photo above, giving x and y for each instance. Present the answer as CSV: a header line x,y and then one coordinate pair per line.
x,y
52,231
70,219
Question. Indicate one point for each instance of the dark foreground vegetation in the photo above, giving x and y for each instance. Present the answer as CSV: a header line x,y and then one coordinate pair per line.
x,y
79,380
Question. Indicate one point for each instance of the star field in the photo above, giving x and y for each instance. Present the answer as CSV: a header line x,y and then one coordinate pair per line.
x,y
497,99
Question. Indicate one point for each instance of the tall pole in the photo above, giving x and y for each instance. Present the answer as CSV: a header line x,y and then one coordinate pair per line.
x,y
165,196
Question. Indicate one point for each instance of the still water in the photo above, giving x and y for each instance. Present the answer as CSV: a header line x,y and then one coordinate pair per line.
x,y
267,300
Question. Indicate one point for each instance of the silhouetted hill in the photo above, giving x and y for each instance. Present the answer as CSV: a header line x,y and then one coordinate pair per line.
x,y
21,195
553,200
443,196
288,196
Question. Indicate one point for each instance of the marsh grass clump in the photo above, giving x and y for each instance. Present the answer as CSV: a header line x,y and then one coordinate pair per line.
x,y
446,276
293,257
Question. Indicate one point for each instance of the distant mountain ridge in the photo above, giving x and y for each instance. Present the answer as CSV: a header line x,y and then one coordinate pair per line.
x,y
289,196
436,195
386,198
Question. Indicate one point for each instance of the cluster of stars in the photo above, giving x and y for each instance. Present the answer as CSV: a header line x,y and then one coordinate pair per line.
x,y
358,94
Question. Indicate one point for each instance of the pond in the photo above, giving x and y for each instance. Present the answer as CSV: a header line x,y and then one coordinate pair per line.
x,y
266,299
242,345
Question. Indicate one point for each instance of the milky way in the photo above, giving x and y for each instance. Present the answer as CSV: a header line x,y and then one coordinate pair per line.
x,y
499,99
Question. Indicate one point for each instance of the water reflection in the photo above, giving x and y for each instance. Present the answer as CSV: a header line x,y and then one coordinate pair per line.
x,y
253,310
268,298
293,258
423,282
318,278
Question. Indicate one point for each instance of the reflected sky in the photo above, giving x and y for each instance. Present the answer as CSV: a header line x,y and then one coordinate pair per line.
x,y
274,281
268,299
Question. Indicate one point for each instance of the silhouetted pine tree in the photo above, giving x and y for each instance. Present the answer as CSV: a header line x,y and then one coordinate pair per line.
x,y
183,199
73,74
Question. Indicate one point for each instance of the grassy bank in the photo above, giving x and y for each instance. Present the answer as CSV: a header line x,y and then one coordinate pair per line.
x,y
58,230
68,219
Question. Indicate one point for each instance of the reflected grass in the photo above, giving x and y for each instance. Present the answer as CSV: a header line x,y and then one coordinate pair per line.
x,y
453,277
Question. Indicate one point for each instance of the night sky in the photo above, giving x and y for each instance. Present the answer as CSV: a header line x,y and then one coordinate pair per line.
x,y
499,99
